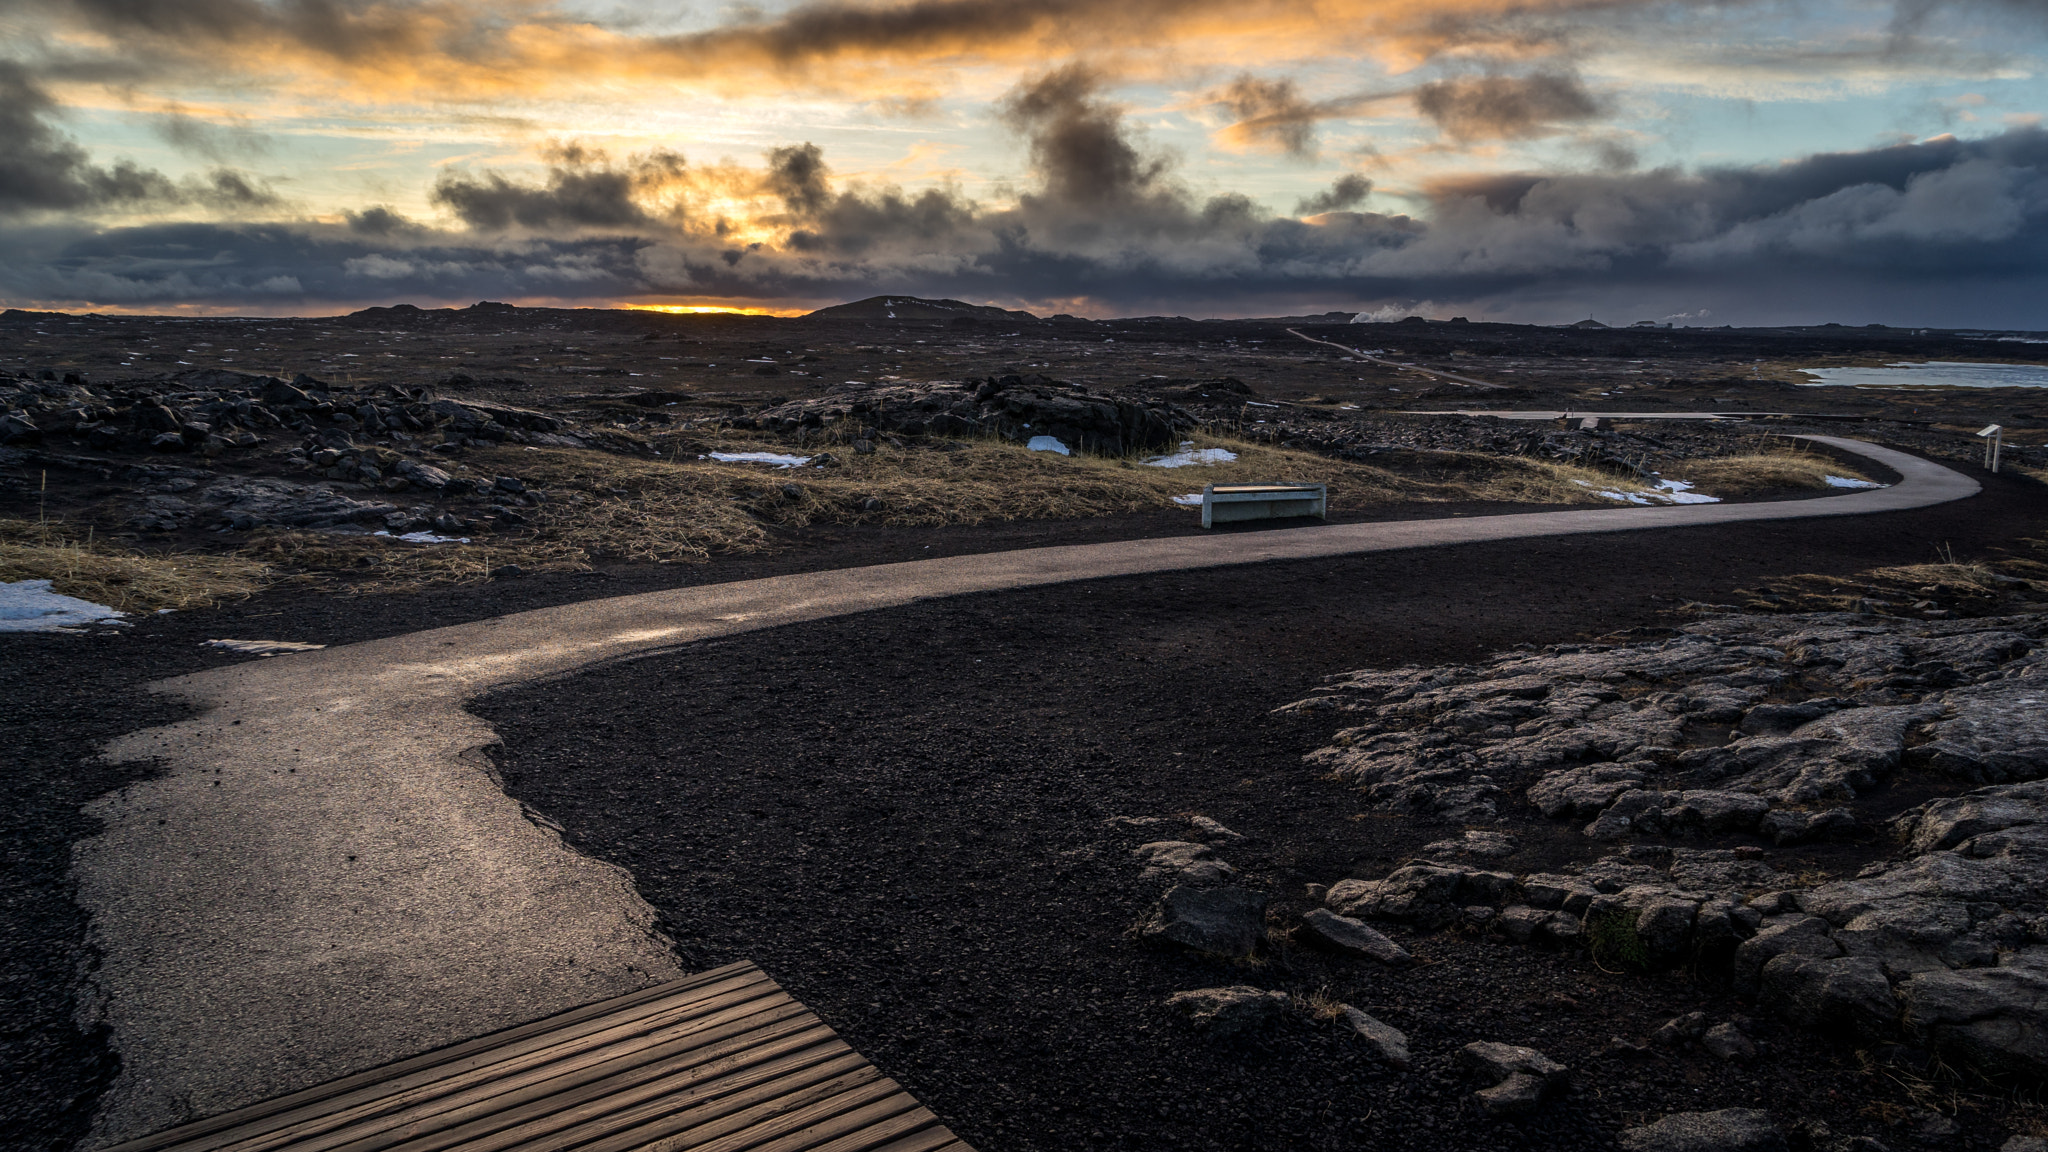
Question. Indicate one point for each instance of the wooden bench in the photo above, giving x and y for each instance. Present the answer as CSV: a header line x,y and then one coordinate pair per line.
x,y
1227,502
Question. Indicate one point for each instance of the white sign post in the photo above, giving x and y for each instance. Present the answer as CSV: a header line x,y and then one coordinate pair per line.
x,y
1994,443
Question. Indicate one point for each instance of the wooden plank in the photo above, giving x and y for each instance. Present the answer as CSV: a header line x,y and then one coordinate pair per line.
x,y
621,1087
671,1092
190,1132
499,1079
722,1061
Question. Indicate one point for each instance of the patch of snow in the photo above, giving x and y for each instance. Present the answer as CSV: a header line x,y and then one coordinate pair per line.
x,y
261,647
1191,500
423,538
30,606
1680,492
1847,482
1047,444
778,459
1256,404
1187,456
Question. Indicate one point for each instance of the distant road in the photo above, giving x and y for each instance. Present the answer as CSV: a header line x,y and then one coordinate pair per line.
x,y
1452,377
1557,414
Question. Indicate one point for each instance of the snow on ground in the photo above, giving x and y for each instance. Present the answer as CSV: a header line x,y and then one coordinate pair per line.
x,y
1188,454
778,459
1191,500
1846,482
1047,444
261,647
424,538
30,606
1665,492
1680,492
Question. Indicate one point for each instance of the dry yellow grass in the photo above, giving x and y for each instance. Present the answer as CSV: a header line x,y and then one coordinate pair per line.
x,y
122,578
1758,471
603,504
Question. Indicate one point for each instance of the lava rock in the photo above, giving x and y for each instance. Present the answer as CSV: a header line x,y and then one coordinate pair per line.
x,y
1218,921
1232,1011
1728,1042
1386,1042
1191,863
1728,1130
1354,937
1522,1078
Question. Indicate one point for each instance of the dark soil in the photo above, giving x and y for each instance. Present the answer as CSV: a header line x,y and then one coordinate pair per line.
x,y
913,796
900,815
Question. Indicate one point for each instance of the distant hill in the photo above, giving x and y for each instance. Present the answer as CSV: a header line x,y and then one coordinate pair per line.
x,y
914,308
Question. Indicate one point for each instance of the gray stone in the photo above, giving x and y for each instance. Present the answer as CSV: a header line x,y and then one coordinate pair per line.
x,y
1232,1011
1728,1130
1383,1040
1582,791
1629,811
1353,937
1486,845
1793,934
1729,1043
1681,1029
2024,1144
1219,921
1848,994
1212,832
1187,862
1717,811
1521,1078
1995,1018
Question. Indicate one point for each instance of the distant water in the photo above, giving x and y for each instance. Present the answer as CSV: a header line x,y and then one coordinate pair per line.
x,y
1935,373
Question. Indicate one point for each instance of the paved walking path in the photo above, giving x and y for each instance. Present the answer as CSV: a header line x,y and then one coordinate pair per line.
x,y
327,878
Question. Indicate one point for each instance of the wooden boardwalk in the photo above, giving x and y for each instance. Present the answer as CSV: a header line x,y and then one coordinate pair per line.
x,y
723,1061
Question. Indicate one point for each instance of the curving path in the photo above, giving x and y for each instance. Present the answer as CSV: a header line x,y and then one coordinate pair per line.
x,y
327,878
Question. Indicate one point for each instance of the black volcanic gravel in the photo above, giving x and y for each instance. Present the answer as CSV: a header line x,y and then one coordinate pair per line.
x,y
900,815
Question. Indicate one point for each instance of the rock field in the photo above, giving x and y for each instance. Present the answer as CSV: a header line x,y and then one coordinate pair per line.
x,y
1685,760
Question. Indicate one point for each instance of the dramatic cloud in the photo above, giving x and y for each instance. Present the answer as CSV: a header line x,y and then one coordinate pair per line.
x,y
1348,191
1504,107
405,129
583,190
44,170
1272,114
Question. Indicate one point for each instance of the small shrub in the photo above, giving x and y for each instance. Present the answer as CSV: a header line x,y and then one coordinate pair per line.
x,y
1614,941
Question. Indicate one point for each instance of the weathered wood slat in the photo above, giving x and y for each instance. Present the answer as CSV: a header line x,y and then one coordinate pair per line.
x,y
722,1061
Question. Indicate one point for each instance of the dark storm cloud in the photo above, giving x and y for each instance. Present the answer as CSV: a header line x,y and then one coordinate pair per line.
x,y
798,174
1347,191
1274,114
1944,231
1505,107
584,189
1079,149
43,170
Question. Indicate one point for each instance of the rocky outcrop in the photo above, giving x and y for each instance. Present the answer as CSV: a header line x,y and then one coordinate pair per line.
x,y
1946,944
1741,724
1013,407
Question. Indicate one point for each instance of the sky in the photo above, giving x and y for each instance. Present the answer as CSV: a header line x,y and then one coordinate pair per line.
x,y
1848,161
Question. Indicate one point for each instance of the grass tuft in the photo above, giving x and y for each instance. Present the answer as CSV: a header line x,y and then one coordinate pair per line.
x,y
123,578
